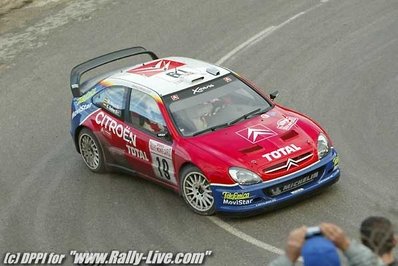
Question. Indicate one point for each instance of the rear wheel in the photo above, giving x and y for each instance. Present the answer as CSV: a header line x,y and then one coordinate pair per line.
x,y
91,151
196,191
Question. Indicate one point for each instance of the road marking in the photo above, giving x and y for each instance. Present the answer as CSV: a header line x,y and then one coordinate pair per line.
x,y
259,36
243,46
245,236
263,34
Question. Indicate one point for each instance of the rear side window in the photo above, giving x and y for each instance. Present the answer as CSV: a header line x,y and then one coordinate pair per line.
x,y
112,99
145,113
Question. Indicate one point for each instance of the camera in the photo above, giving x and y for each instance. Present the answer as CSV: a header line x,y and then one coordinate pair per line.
x,y
313,231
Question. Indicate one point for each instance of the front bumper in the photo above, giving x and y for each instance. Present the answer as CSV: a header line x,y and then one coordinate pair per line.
x,y
270,194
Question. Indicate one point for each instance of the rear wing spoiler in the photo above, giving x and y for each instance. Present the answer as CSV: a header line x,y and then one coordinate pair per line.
x,y
82,68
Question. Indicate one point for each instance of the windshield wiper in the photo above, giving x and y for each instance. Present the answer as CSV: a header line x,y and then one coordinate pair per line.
x,y
260,112
245,116
210,129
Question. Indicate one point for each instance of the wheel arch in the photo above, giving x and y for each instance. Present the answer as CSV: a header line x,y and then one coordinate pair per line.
x,y
76,141
203,190
180,170
76,137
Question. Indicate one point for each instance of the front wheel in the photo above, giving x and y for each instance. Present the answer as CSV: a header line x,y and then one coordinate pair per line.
x,y
91,152
196,191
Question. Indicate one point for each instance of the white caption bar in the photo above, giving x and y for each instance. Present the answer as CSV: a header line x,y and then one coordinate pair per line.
x,y
115,257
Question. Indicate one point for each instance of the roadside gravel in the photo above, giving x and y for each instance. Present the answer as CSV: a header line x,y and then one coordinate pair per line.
x,y
7,5
18,14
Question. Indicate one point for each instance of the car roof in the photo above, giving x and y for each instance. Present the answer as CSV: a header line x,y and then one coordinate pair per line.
x,y
171,74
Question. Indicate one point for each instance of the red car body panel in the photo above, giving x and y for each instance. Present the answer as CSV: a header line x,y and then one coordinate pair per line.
x,y
279,145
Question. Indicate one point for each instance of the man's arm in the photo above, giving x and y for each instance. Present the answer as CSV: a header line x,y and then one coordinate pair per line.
x,y
295,241
359,254
356,253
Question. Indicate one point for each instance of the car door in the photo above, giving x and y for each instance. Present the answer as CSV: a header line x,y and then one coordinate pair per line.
x,y
109,120
151,155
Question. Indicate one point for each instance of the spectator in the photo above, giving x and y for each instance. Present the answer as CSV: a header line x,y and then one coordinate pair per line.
x,y
321,251
377,233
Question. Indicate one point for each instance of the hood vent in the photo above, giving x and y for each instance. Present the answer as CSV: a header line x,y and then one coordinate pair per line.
x,y
289,135
251,149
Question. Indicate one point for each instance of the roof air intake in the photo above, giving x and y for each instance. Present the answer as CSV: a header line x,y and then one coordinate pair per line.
x,y
212,70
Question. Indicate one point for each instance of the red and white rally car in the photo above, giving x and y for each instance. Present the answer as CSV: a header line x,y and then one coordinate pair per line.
x,y
200,130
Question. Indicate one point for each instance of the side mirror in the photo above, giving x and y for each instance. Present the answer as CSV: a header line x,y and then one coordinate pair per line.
x,y
274,95
164,134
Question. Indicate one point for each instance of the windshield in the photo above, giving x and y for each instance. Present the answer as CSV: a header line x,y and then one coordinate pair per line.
x,y
215,104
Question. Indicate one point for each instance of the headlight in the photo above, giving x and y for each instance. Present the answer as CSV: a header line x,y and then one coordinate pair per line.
x,y
243,176
323,146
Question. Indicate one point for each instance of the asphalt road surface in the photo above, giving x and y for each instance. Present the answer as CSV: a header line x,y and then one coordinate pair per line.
x,y
336,61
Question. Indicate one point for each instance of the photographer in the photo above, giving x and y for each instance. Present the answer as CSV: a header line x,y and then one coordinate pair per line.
x,y
318,246
377,233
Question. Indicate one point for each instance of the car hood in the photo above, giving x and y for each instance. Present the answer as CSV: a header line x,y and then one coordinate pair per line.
x,y
273,144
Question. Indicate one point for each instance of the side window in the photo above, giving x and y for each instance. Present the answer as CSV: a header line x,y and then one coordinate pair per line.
x,y
112,99
145,113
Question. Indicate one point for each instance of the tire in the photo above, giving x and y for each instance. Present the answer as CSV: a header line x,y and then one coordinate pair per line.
x,y
91,151
196,191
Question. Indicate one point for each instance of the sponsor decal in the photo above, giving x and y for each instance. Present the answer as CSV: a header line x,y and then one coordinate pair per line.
x,y
137,153
227,79
81,108
160,148
123,132
174,97
202,89
155,67
236,198
112,109
235,195
293,185
282,152
111,125
256,133
336,160
237,202
286,123
264,116
86,96
195,90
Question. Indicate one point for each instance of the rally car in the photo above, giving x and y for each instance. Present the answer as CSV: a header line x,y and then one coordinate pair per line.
x,y
199,129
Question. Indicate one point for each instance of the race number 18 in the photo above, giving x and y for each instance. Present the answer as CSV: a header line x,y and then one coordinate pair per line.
x,y
163,167
162,161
